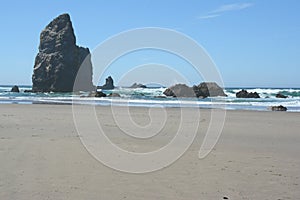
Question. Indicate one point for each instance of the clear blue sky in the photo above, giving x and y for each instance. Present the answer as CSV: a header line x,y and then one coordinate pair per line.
x,y
253,43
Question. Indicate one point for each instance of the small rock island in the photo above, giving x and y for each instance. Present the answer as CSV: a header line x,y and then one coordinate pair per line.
x,y
109,84
203,90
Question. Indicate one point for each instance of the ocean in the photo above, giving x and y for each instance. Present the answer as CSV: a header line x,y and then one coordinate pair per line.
x,y
148,97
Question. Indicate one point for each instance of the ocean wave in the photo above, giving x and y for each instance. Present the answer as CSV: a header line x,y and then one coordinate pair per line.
x,y
266,92
146,97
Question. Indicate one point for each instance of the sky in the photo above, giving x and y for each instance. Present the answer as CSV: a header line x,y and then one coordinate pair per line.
x,y
252,43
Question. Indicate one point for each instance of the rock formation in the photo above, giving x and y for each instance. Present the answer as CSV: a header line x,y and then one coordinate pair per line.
x,y
97,94
205,89
278,108
281,96
100,94
208,89
138,85
15,89
180,90
245,94
109,84
59,60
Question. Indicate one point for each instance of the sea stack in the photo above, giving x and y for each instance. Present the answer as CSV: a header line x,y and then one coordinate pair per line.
x,y
59,60
138,85
109,84
15,89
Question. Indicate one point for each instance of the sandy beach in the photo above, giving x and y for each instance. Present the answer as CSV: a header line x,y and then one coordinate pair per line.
x,y
42,157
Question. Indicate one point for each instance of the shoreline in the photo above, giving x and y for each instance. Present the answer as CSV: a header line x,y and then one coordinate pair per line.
x,y
145,97
141,106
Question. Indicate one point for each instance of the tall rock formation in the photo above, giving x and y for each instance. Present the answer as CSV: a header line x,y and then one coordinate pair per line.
x,y
59,60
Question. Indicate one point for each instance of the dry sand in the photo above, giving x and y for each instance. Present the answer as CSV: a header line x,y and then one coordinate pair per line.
x,y
41,157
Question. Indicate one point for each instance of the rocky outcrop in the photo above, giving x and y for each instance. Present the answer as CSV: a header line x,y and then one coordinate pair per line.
x,y
15,89
278,108
168,92
246,94
97,94
59,60
279,95
203,90
109,84
138,85
180,90
208,89
100,94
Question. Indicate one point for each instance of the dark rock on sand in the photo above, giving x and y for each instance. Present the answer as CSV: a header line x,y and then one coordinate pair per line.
x,y
114,95
281,96
15,89
208,89
246,94
278,108
180,90
59,60
138,85
109,84
97,94
100,94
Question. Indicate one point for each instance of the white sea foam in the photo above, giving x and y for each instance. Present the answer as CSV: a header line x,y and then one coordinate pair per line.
x,y
145,97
